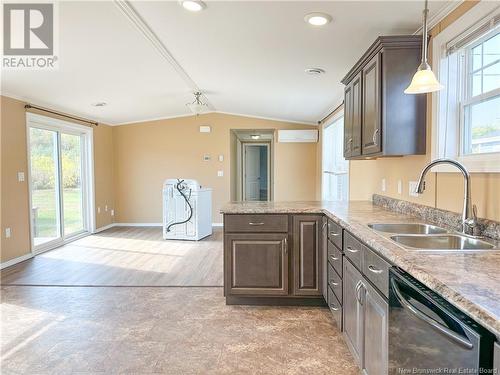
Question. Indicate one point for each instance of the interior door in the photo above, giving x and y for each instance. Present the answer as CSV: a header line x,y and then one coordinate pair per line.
x,y
252,173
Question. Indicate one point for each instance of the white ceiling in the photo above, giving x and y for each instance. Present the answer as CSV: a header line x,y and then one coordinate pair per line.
x,y
248,57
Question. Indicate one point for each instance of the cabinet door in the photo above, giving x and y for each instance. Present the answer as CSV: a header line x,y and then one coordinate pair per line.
x,y
371,131
324,257
348,121
353,310
256,264
306,255
375,353
357,120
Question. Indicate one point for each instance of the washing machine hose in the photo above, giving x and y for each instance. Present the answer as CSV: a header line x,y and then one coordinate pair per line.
x,y
181,192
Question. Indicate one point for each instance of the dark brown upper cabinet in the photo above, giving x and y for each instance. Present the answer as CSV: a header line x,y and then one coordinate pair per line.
x,y
380,119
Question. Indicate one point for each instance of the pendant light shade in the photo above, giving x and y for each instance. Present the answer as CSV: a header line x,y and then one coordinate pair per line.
x,y
197,106
424,80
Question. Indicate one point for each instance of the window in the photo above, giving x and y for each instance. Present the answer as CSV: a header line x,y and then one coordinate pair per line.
x,y
481,105
466,113
335,181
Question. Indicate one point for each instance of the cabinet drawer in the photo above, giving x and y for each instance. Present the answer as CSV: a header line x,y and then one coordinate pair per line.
x,y
256,223
353,249
335,257
335,308
376,270
335,283
335,233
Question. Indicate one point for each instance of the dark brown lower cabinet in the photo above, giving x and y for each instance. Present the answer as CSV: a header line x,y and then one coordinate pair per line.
x,y
256,264
307,244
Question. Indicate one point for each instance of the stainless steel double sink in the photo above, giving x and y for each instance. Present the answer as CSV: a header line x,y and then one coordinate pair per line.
x,y
425,237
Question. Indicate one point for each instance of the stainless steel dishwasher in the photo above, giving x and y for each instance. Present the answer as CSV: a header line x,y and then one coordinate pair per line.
x,y
429,335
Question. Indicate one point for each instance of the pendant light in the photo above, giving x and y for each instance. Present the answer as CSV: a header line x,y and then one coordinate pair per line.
x,y
197,106
424,80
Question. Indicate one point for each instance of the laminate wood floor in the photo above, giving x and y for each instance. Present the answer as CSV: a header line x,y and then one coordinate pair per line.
x,y
124,256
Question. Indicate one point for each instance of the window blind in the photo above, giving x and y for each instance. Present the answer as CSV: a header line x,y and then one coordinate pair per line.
x,y
487,24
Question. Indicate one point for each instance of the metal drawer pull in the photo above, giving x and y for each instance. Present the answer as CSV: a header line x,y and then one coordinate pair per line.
x,y
286,245
333,283
333,258
375,269
250,223
333,234
350,249
334,308
374,137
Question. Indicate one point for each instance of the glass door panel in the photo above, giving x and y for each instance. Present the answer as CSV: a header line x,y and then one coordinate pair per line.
x,y
44,186
71,160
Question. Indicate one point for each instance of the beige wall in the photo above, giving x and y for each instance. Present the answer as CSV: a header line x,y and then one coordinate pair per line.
x,y
14,194
444,190
150,152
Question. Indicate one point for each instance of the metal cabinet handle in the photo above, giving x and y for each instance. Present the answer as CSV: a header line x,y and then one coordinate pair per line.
x,y
374,137
374,269
286,245
332,306
358,292
351,250
333,234
324,225
333,283
251,223
349,143
334,258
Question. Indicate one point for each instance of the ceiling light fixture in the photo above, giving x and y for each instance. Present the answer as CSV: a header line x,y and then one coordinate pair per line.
x,y
424,80
315,71
197,106
317,18
99,104
193,5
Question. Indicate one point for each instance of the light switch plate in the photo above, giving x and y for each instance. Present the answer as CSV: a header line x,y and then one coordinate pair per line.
x,y
220,173
8,232
106,208
221,157
20,176
384,185
412,188
400,187
98,209
112,212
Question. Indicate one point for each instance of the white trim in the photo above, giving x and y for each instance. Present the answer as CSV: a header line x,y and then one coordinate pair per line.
x,y
14,261
138,224
218,225
441,14
268,118
480,163
106,227
152,119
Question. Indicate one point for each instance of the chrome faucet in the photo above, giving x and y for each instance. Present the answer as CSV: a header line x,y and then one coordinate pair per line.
x,y
469,219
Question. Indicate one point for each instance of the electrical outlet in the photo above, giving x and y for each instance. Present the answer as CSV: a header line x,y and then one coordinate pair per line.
x,y
112,212
98,209
8,232
384,185
412,188
20,176
220,173
400,187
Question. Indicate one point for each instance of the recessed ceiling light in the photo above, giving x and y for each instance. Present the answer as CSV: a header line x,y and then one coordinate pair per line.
x,y
99,104
315,71
193,5
255,136
317,18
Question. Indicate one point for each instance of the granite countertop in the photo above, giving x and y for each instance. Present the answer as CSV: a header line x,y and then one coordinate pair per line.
x,y
470,281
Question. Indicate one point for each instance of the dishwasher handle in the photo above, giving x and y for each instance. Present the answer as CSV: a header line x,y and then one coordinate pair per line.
x,y
459,339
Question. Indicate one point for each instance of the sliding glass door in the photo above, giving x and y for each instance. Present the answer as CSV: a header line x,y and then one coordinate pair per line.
x,y
59,181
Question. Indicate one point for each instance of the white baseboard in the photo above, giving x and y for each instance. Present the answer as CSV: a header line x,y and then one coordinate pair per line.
x,y
220,225
11,262
104,228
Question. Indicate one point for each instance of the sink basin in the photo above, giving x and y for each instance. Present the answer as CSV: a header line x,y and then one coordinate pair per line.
x,y
407,228
442,242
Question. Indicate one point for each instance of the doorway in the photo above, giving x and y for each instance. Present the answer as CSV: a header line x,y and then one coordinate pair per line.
x,y
60,180
256,166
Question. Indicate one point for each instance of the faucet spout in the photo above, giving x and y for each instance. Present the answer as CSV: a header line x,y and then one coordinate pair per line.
x,y
468,216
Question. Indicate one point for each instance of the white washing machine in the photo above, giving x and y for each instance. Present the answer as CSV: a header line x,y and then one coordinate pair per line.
x,y
187,210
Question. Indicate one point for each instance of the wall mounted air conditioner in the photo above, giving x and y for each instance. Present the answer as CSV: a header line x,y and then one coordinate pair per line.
x,y
291,136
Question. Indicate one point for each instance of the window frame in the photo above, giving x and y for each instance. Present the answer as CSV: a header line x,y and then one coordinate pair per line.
x,y
476,163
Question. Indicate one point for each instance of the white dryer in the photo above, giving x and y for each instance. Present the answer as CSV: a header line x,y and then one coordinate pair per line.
x,y
187,210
